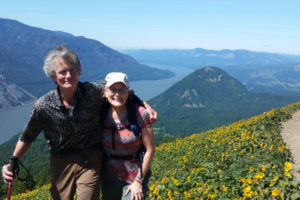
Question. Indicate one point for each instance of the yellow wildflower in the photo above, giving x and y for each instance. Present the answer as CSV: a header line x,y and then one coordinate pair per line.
x,y
248,192
275,193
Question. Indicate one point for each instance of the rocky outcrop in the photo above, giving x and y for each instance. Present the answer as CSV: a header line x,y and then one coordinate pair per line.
x,y
12,95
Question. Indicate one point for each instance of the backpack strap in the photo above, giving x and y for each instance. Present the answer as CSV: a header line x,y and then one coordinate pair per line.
x,y
132,105
132,115
104,111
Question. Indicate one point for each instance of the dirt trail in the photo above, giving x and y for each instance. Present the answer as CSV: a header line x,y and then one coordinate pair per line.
x,y
291,135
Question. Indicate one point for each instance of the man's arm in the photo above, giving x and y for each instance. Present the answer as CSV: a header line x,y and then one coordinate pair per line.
x,y
152,113
20,149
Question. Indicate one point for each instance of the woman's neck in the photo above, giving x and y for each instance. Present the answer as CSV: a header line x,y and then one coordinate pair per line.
x,y
117,113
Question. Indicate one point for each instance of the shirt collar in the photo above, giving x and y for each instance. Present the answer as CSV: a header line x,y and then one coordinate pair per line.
x,y
78,95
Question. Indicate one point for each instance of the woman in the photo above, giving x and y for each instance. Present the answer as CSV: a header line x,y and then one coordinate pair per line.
x,y
123,169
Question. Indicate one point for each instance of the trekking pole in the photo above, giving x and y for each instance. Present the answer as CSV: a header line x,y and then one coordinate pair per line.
x,y
12,168
9,190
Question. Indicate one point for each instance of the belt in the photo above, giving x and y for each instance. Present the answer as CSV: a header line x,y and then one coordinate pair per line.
x,y
124,157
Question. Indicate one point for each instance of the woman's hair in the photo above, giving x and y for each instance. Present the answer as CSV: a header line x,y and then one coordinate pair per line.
x,y
60,52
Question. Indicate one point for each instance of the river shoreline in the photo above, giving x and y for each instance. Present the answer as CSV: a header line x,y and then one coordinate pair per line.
x,y
18,107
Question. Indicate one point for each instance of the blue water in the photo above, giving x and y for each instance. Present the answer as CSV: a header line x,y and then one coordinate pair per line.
x,y
148,89
13,121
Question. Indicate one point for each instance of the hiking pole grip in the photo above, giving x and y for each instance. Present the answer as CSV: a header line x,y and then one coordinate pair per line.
x,y
13,164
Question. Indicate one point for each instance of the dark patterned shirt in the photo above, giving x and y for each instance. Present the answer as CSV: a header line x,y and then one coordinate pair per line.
x,y
67,129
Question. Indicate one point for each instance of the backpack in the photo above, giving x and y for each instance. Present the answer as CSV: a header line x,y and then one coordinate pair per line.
x,y
132,103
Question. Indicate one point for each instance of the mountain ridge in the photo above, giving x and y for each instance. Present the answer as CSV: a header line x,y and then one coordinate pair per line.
x,y
23,48
260,72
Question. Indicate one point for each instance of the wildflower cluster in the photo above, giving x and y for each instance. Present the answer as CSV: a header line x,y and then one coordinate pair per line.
x,y
40,193
245,160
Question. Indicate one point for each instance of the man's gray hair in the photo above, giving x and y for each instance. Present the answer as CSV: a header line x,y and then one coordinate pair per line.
x,y
60,52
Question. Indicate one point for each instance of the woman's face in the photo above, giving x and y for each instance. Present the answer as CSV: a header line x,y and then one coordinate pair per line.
x,y
117,94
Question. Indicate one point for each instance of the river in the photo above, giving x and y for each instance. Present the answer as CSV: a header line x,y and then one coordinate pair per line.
x,y
12,121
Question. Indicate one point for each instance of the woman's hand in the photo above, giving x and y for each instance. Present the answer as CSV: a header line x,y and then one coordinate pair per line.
x,y
136,190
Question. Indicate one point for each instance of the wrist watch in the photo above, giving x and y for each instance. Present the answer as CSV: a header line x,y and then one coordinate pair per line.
x,y
140,177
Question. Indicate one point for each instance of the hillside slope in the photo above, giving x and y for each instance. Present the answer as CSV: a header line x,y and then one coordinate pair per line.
x,y
244,160
13,95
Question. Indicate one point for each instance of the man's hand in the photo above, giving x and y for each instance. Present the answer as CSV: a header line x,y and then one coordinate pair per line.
x,y
152,114
7,175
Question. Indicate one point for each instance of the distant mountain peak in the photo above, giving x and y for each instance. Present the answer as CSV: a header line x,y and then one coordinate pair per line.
x,y
210,78
201,88
214,74
206,98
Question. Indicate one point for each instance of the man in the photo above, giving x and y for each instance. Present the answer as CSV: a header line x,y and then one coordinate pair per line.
x,y
69,116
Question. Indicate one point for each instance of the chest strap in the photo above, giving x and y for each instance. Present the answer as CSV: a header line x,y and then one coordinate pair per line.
x,y
114,129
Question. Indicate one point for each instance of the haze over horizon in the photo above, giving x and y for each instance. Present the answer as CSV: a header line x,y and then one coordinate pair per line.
x,y
263,26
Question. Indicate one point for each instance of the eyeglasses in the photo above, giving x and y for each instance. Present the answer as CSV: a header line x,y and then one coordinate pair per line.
x,y
70,72
118,90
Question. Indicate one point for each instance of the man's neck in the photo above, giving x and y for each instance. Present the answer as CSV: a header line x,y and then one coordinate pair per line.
x,y
68,97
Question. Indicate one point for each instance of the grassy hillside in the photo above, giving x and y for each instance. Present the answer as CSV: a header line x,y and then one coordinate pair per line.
x,y
245,160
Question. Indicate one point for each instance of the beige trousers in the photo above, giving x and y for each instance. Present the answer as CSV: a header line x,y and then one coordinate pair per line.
x,y
76,173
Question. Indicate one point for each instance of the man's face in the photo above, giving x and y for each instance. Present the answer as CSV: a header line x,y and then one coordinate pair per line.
x,y
66,75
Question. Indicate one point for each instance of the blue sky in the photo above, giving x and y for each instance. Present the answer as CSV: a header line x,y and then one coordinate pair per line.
x,y
270,25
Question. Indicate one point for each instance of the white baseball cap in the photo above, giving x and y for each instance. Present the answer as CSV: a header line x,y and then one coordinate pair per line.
x,y
115,77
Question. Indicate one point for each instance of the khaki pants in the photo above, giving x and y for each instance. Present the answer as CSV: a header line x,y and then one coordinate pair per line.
x,y
76,172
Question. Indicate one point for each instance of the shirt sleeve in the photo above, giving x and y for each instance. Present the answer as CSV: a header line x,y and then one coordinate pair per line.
x,y
142,117
33,127
100,89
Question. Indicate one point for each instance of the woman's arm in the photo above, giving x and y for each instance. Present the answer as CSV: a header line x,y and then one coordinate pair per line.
x,y
148,141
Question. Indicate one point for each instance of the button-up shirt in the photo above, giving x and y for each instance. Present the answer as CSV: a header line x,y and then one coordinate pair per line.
x,y
67,129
